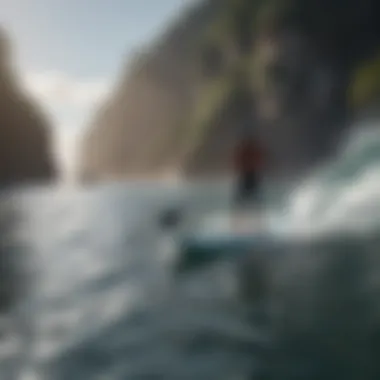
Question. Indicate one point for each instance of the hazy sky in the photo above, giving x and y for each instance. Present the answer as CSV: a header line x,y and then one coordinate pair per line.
x,y
69,51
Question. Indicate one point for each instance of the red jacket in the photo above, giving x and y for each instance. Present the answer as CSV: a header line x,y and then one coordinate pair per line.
x,y
249,156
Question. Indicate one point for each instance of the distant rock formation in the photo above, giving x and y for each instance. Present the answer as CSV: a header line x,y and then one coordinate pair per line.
x,y
183,104
24,131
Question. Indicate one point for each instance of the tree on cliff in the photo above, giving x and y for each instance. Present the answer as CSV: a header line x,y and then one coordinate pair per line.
x,y
25,144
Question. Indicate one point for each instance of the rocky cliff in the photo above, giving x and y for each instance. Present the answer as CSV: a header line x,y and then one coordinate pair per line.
x,y
279,68
141,127
24,131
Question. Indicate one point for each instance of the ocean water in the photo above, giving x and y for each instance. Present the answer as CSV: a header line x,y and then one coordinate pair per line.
x,y
88,289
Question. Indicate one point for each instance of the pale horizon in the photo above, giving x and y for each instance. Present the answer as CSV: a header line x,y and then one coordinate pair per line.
x,y
70,53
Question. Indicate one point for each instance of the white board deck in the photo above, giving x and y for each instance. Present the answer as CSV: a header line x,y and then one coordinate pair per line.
x,y
224,235
225,232
230,224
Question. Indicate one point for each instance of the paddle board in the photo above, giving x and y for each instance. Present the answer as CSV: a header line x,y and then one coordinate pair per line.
x,y
222,236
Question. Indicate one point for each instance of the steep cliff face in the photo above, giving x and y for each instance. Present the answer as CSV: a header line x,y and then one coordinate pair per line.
x,y
179,108
141,128
299,68
24,133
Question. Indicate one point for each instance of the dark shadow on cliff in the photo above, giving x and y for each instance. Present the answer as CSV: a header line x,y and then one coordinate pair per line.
x,y
25,136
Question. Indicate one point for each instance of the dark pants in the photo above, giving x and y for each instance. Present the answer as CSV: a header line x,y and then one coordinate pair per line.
x,y
247,191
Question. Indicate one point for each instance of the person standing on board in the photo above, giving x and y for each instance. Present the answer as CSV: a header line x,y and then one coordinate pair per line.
x,y
249,163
